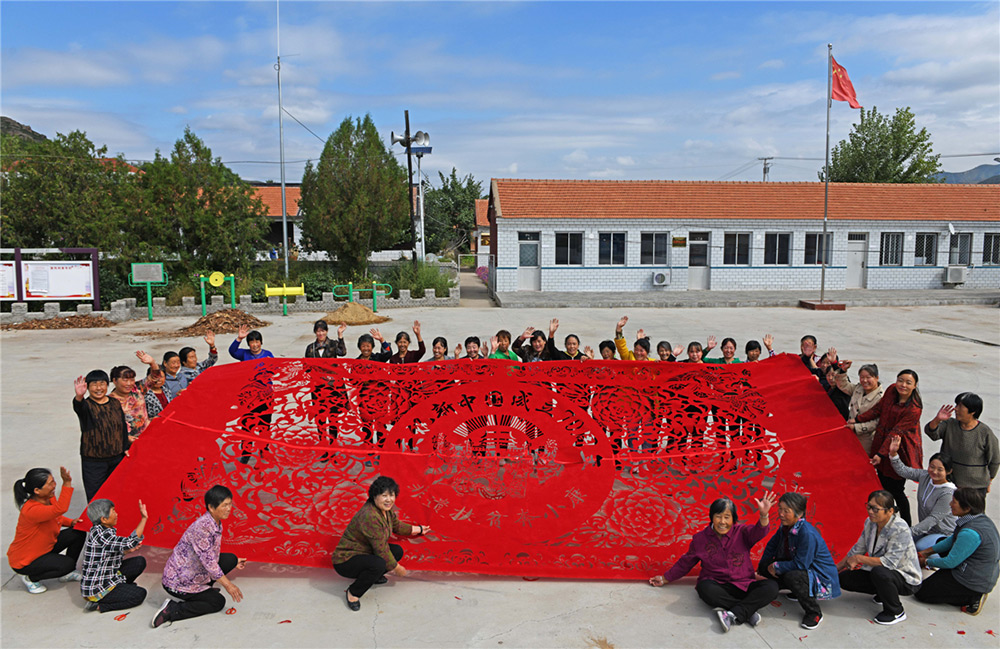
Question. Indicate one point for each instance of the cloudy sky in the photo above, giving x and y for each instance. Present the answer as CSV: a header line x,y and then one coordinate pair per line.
x,y
648,90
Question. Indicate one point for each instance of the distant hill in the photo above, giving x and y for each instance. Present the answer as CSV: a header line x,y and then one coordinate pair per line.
x,y
12,127
973,176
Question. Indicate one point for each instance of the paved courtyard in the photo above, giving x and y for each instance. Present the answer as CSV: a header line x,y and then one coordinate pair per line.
x,y
953,348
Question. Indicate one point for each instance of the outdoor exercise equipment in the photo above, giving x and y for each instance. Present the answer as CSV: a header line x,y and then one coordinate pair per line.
x,y
151,275
217,279
284,292
374,289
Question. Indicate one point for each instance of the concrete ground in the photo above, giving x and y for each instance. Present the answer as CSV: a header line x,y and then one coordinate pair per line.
x,y
294,607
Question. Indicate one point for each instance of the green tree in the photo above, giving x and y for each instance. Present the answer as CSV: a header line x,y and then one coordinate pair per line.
x,y
65,193
451,212
883,150
354,200
199,211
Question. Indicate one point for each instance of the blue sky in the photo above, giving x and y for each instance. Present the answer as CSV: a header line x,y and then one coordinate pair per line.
x,y
615,90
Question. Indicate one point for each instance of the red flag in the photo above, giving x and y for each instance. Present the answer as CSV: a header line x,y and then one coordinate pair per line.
x,y
843,89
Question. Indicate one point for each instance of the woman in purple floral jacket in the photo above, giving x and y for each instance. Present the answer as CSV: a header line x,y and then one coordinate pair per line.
x,y
726,581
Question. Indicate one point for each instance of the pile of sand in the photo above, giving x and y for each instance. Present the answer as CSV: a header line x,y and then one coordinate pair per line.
x,y
72,322
226,321
352,313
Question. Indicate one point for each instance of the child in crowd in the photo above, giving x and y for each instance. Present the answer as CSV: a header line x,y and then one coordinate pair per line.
x,y
108,580
254,341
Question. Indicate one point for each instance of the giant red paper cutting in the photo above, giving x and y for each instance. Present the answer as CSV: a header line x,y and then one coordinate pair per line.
x,y
593,469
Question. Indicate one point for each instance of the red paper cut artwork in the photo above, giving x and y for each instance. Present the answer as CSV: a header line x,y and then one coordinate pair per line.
x,y
587,470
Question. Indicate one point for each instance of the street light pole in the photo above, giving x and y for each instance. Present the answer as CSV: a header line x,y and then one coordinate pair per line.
x,y
419,138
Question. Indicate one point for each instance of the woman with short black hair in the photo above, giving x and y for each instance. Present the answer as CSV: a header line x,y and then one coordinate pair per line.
x,y
726,581
364,553
798,559
884,560
970,443
967,568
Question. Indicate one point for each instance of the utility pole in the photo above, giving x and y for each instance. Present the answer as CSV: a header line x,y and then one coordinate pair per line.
x,y
767,165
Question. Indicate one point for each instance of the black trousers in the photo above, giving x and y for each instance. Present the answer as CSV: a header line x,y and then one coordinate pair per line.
x,y
943,588
53,564
207,601
742,603
126,595
95,472
797,582
365,569
887,584
896,488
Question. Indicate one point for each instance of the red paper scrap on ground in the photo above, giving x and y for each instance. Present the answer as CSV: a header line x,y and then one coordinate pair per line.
x,y
600,469
119,618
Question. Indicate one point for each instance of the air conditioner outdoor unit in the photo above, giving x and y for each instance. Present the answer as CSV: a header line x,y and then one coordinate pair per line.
x,y
955,274
661,277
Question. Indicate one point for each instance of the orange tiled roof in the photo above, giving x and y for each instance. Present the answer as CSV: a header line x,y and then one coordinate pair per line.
x,y
665,199
271,196
482,212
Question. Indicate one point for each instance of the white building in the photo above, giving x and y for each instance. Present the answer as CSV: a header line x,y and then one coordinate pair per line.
x,y
569,235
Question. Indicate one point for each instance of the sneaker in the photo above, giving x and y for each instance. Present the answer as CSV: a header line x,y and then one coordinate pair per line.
x,y
726,619
877,599
33,587
72,576
976,607
161,616
755,620
791,597
811,621
885,618
90,606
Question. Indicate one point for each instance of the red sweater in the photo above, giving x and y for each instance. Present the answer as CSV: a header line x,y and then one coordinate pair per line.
x,y
896,418
38,526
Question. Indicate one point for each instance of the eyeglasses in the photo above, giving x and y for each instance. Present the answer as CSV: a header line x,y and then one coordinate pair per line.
x,y
873,508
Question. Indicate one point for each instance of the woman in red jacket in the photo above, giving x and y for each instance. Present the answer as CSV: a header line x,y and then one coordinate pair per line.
x,y
898,413
36,551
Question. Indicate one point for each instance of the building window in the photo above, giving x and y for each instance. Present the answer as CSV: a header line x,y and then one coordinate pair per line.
x,y
736,249
814,254
991,249
926,250
960,250
569,248
891,252
777,248
611,249
654,248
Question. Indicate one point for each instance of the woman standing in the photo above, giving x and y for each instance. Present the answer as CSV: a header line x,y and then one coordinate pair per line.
x,y
130,396
364,553
865,395
324,346
884,560
727,580
969,571
404,356
969,443
933,497
36,553
728,353
798,559
898,413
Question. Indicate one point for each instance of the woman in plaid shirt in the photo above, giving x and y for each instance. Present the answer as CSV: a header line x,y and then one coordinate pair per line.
x,y
108,580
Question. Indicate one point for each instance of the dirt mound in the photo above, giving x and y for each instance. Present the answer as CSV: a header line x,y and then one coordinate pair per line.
x,y
72,322
353,313
226,321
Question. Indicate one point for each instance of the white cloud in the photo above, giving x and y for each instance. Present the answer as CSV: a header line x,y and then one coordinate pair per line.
x,y
511,169
576,157
177,110
40,68
607,173
625,161
725,76
772,64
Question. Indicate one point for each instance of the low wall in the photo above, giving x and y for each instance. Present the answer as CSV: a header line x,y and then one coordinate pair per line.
x,y
122,310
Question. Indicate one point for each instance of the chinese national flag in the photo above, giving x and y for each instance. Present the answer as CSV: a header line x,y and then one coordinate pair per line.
x,y
843,89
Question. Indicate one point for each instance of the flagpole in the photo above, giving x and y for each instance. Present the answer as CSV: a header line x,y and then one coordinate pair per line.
x,y
826,170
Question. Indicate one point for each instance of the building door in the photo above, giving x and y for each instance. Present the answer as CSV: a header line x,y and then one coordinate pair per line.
x,y
698,256
857,255
529,271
